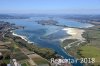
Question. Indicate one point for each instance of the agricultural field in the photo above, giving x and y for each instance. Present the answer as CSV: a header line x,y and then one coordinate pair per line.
x,y
89,51
92,48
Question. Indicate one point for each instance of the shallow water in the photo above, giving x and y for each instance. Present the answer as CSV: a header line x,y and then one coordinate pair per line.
x,y
46,36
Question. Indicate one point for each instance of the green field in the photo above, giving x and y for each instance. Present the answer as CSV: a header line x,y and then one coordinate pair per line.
x,y
24,64
93,36
39,60
92,48
89,51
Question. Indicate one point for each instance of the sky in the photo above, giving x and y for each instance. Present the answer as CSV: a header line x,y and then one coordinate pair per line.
x,y
50,6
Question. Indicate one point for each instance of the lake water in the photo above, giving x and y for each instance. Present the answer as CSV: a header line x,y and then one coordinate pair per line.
x,y
46,35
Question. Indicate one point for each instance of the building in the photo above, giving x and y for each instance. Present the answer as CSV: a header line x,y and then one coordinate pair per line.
x,y
14,62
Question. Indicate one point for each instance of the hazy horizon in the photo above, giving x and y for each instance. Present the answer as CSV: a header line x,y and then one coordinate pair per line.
x,y
50,6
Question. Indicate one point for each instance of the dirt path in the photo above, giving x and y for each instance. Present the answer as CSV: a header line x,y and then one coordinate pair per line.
x,y
78,42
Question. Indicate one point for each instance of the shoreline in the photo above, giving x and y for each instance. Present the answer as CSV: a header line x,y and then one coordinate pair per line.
x,y
22,37
74,33
88,26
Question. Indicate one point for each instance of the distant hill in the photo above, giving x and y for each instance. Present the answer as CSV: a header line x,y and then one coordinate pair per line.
x,y
6,16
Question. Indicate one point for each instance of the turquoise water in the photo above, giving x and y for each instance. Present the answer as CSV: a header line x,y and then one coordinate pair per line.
x,y
46,36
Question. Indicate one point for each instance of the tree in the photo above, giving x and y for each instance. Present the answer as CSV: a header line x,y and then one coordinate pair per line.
x,y
3,64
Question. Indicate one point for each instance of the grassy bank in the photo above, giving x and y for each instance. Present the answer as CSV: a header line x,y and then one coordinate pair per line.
x,y
88,49
18,43
92,48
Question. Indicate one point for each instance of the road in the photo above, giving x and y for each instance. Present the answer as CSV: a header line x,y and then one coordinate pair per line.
x,y
78,42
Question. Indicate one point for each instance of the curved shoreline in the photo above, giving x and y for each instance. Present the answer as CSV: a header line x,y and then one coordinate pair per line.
x,y
22,37
74,33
